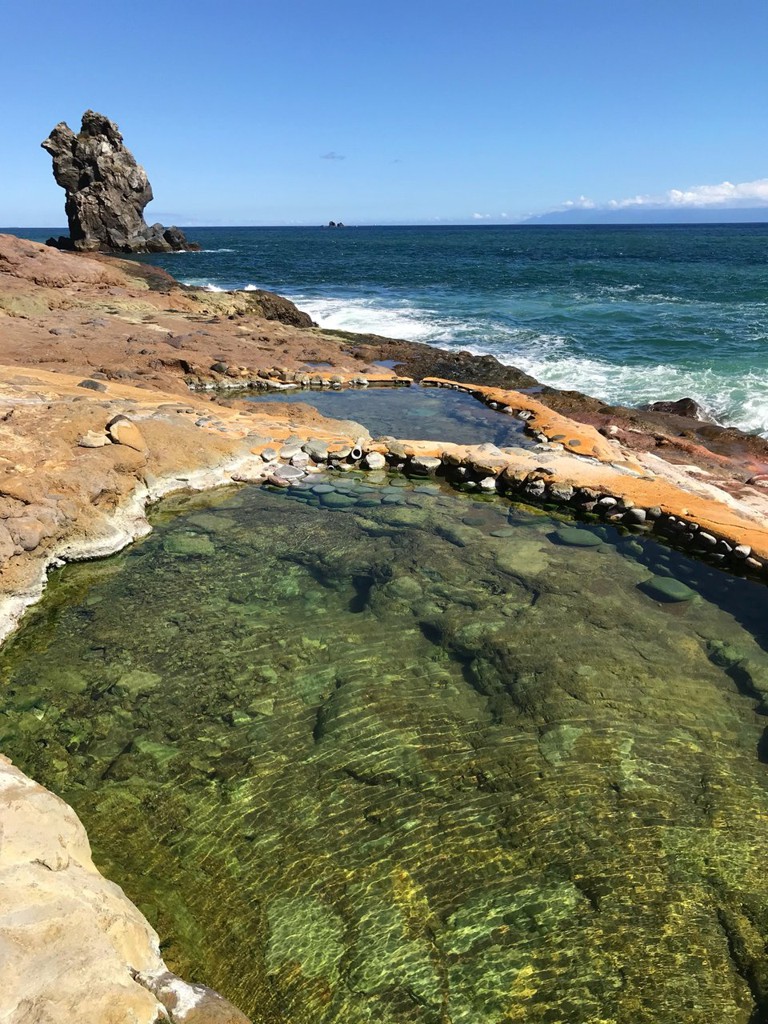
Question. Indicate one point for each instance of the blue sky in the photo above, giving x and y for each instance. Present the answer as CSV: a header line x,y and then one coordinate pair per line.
x,y
399,112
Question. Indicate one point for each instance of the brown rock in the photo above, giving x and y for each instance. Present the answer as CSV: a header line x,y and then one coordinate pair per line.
x,y
687,407
124,431
26,532
7,546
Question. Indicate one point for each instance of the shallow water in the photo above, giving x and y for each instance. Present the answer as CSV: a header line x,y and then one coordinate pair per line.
x,y
386,753
415,413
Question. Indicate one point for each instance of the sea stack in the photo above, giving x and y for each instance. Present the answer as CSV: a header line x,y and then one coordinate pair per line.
x,y
107,191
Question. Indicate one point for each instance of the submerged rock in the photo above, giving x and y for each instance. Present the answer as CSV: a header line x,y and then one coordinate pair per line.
x,y
106,190
576,538
188,545
665,588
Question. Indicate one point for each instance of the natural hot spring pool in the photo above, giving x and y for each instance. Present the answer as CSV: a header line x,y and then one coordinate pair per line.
x,y
415,413
389,753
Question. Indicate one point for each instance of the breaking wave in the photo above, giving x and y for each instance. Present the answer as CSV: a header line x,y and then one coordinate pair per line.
x,y
735,399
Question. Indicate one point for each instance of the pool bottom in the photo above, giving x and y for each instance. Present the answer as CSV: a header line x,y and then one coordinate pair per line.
x,y
412,757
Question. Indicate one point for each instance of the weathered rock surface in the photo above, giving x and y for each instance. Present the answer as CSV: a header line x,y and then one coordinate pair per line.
x,y
74,947
124,431
682,407
107,191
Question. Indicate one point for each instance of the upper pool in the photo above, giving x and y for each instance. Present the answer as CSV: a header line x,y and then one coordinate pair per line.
x,y
415,413
374,751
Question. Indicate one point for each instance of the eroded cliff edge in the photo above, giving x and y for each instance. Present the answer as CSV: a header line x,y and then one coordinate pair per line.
x,y
97,419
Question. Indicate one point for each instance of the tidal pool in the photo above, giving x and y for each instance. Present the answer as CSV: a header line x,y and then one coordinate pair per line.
x,y
415,412
382,752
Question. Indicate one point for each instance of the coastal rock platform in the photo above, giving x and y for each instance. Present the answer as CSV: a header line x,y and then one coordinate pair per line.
x,y
111,377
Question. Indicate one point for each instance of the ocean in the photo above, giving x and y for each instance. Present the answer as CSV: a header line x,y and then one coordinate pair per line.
x,y
629,314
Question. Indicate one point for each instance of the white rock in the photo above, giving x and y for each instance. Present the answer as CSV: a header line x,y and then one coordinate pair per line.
x,y
93,440
374,460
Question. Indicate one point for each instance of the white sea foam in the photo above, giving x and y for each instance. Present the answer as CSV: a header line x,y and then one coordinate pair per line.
x,y
199,282
193,252
736,400
367,317
209,286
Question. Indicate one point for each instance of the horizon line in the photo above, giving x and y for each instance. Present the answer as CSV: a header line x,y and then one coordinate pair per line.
x,y
535,222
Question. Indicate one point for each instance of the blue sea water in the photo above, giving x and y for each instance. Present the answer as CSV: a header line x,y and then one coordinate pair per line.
x,y
630,314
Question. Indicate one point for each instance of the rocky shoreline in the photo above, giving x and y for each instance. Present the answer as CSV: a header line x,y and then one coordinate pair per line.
x,y
110,374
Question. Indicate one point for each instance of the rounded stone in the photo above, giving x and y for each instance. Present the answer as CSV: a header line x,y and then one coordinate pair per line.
x,y
635,515
666,588
124,431
471,520
336,500
575,537
374,460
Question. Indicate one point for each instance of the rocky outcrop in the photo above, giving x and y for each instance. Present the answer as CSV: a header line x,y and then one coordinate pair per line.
x,y
74,947
107,191
272,306
682,407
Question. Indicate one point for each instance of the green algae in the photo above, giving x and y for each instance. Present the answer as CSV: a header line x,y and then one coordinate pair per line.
x,y
402,763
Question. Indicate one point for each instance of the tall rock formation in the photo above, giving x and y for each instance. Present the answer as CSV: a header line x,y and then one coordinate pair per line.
x,y
107,191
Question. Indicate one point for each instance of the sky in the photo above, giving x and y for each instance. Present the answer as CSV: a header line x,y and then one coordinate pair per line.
x,y
405,111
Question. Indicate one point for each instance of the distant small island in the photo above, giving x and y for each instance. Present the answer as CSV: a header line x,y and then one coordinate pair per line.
x,y
335,224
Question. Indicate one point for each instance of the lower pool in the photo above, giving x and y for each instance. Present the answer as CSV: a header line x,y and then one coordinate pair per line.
x,y
375,751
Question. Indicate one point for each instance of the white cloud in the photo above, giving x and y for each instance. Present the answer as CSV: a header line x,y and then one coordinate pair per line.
x,y
726,194
582,203
481,216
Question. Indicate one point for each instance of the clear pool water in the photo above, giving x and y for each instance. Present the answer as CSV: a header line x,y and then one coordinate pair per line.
x,y
382,752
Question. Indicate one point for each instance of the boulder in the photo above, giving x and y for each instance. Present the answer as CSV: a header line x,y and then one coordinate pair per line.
x,y
687,407
106,191
374,460
124,431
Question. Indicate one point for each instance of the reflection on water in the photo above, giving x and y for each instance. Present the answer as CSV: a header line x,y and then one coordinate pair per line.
x,y
384,753
416,413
